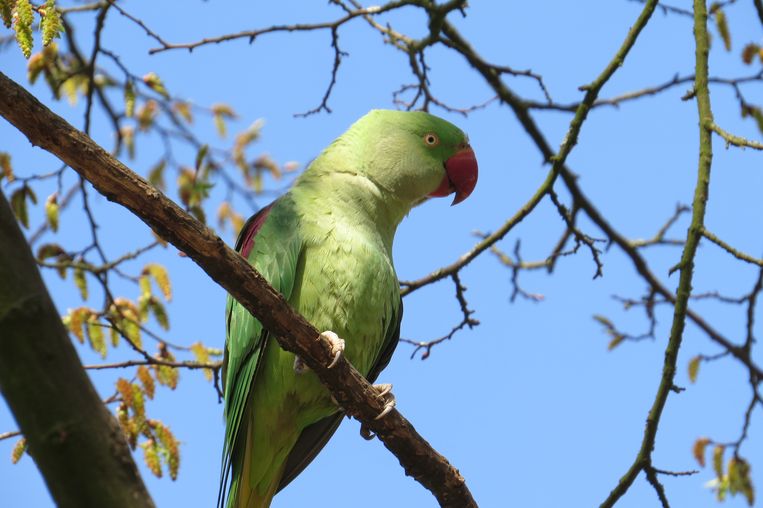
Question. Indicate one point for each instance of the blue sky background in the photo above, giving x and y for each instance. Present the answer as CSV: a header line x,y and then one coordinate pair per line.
x,y
530,405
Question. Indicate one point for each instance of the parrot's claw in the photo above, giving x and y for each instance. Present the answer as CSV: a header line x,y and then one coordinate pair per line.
x,y
337,346
366,433
385,391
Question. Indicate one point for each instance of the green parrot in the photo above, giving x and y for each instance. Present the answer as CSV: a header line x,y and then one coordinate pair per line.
x,y
326,245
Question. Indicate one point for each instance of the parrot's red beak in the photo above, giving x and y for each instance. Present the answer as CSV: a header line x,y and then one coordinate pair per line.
x,y
460,176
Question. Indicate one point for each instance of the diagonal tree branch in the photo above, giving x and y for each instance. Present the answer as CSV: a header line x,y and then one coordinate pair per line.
x,y
115,181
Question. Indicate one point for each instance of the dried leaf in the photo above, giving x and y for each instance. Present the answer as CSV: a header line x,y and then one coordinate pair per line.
x,y
49,250
749,52
698,450
144,375
5,166
617,339
124,387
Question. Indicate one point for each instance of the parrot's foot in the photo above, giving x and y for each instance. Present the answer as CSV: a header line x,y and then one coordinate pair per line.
x,y
337,346
385,391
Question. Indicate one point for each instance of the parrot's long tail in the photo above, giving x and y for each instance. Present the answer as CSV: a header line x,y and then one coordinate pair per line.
x,y
256,478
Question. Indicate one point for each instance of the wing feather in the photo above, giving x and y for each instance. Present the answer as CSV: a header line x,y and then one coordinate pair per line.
x,y
270,242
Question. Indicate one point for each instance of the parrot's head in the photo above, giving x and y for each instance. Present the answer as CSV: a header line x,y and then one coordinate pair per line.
x,y
415,155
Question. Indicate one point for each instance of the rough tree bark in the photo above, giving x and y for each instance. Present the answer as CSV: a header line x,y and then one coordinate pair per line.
x,y
74,440
115,181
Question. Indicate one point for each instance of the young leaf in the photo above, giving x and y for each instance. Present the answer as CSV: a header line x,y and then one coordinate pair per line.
x,y
51,23
18,450
159,313
146,114
159,273
144,283
138,404
721,24
166,375
718,460
170,444
95,336
6,12
694,368
18,205
75,320
202,356
155,83
201,155
183,109
23,26
51,211
151,457
129,99
156,175
81,282
128,138
221,112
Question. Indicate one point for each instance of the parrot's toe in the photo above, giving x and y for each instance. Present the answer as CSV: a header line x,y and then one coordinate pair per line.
x,y
337,346
385,391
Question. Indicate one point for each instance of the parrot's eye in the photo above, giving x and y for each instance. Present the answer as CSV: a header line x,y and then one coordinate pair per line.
x,y
431,139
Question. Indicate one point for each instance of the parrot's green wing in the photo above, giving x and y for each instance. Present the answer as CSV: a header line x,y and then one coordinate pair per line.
x,y
312,440
275,255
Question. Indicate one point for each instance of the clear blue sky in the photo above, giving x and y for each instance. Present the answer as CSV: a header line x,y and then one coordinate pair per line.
x,y
530,405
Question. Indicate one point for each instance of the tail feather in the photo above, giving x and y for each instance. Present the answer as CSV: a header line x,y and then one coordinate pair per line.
x,y
255,480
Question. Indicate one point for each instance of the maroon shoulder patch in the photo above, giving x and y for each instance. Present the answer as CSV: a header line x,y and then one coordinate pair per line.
x,y
250,229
